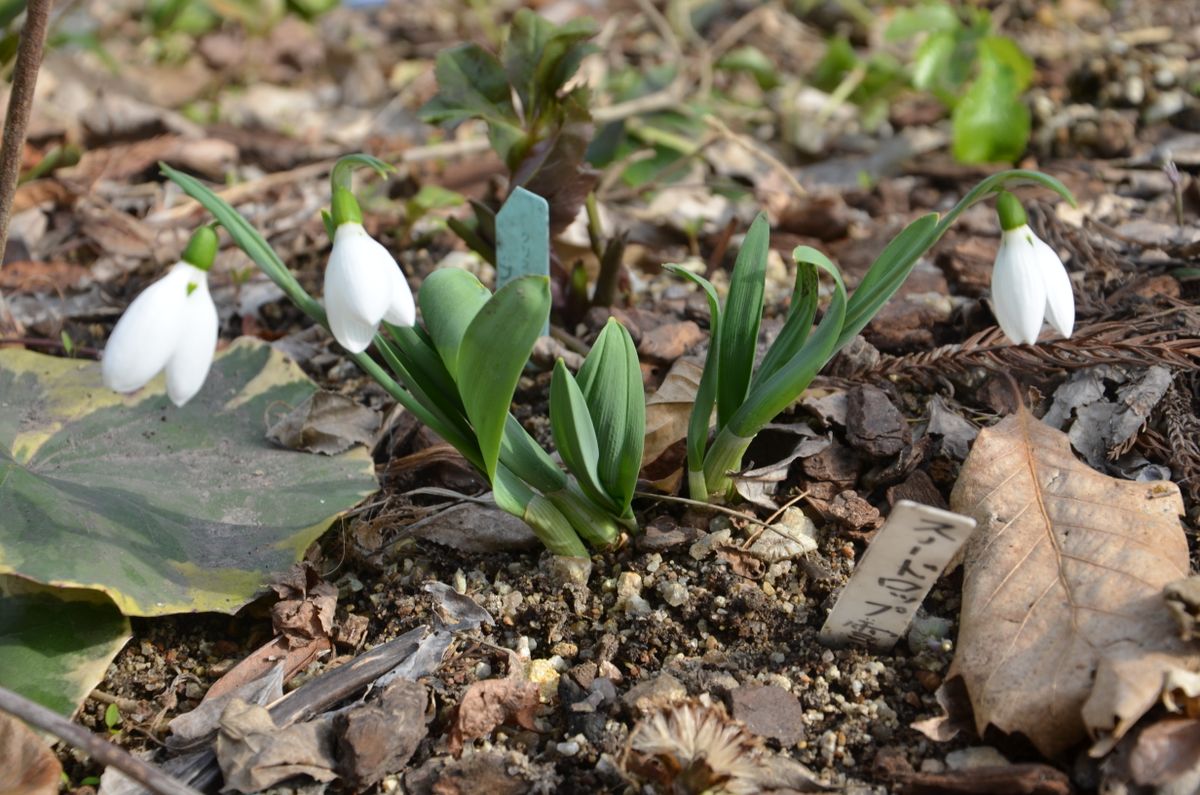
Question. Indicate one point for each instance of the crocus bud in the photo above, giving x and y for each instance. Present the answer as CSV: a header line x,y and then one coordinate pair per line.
x,y
363,283
171,326
1029,283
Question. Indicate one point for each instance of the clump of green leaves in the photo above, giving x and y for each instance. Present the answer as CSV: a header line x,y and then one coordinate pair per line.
x,y
977,73
746,399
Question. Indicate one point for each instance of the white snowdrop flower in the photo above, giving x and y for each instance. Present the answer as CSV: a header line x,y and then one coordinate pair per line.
x,y
363,283
171,326
1029,283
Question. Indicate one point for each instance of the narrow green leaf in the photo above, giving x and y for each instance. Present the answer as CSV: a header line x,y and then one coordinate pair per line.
x,y
887,273
574,434
527,460
450,298
743,313
776,393
800,315
416,350
611,382
443,411
493,352
706,392
594,524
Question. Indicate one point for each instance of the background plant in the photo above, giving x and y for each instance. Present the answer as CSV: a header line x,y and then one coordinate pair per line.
x,y
978,74
538,124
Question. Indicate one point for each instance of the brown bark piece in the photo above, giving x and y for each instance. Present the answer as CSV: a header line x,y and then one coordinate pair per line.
x,y
873,424
379,738
769,711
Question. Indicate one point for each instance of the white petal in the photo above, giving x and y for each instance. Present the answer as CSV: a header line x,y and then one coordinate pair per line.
x,y
401,311
189,365
1060,298
358,287
146,335
1018,291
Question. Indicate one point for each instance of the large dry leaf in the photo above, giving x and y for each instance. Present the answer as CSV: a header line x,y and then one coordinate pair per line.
x,y
1067,566
27,765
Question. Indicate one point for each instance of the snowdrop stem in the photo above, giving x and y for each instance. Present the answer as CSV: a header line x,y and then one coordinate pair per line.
x,y
257,248
997,183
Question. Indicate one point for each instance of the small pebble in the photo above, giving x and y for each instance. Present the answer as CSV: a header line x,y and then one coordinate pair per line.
x,y
569,748
706,545
673,592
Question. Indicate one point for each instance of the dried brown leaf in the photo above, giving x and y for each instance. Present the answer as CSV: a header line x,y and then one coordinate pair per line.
x,y
1067,566
668,409
306,607
1129,681
255,754
1166,752
326,423
492,702
29,766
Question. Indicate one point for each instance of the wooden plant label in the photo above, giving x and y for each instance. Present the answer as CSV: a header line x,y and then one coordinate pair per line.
x,y
522,238
895,574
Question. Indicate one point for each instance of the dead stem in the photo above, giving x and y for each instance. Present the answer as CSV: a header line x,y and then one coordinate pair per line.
x,y
16,120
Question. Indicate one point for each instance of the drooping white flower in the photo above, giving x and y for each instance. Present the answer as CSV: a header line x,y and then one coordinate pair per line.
x,y
171,326
363,283
1029,282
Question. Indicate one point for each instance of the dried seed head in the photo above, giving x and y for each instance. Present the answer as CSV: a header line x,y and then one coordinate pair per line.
x,y
690,749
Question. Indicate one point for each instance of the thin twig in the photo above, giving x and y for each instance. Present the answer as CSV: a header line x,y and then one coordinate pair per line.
x,y
16,120
704,505
756,150
93,745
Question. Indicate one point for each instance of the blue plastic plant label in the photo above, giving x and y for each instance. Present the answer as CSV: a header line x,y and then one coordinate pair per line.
x,y
522,238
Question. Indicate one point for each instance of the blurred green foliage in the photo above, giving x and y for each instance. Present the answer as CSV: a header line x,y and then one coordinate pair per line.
x,y
975,72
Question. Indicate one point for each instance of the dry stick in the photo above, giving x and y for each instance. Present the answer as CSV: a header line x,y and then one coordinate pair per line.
x,y
94,746
20,103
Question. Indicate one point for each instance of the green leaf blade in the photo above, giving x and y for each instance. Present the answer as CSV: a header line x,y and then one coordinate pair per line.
x,y
740,321
575,435
800,314
166,510
494,351
450,298
611,382
56,643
